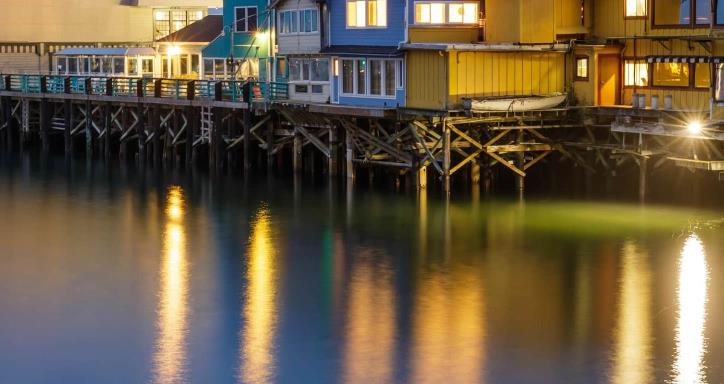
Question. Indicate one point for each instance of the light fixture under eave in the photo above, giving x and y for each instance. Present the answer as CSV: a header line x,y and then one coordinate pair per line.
x,y
262,35
174,50
695,127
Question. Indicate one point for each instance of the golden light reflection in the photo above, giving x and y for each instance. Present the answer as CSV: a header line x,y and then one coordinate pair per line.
x,y
260,310
449,328
692,297
633,337
170,356
370,333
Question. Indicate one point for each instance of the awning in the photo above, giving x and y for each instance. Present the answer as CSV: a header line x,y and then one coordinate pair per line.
x,y
361,51
106,52
684,59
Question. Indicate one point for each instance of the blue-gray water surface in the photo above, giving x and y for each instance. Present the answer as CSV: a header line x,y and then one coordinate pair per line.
x,y
126,277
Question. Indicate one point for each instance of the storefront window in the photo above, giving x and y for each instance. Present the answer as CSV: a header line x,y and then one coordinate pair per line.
x,y
702,75
375,77
347,76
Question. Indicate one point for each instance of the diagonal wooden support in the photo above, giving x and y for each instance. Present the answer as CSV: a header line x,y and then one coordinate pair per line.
x,y
256,126
315,141
501,160
428,154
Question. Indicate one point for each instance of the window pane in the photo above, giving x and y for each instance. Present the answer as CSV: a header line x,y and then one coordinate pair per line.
x,y
720,12
306,21
470,14
281,67
294,16
372,12
62,65
208,67
399,74
719,72
422,13
184,65
455,14
320,70
305,69
241,19
317,89
360,14
72,65
437,13
671,74
147,66
377,13
132,66
702,75
251,22
295,67
672,12
219,67
703,12
582,68
389,78
195,64
635,8
351,14
347,76
283,27
119,65
361,77
375,77
636,73
107,65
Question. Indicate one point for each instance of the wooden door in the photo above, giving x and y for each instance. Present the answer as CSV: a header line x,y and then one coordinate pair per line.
x,y
609,79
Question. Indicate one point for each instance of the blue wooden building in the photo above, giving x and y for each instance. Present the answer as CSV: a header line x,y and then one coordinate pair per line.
x,y
368,69
247,37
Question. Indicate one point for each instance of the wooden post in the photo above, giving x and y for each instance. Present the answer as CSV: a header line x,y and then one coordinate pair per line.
x,y
141,134
349,164
520,163
421,178
270,126
7,115
191,127
88,129
156,140
446,157
215,148
297,152
487,177
247,121
643,168
45,124
107,128
333,151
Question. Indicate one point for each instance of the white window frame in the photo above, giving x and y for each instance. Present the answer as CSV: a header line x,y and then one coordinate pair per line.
x,y
315,28
366,16
398,76
295,15
310,81
246,20
638,66
635,9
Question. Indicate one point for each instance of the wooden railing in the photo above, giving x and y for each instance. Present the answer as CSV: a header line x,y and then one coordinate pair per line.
x,y
176,89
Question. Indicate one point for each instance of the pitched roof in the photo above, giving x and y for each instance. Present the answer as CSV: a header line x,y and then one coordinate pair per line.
x,y
202,31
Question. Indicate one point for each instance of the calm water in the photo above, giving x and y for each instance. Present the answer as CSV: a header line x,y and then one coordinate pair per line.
x,y
126,278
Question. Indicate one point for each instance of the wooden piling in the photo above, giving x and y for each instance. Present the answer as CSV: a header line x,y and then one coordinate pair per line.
x,y
643,171
107,129
88,129
297,152
215,146
247,122
332,165
192,123
520,163
141,134
446,158
270,126
349,145
45,124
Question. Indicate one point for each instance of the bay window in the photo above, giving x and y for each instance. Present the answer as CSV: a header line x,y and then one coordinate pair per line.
x,y
636,73
371,77
446,13
366,13
298,21
288,22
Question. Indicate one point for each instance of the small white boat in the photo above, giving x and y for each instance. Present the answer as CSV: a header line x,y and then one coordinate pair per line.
x,y
518,104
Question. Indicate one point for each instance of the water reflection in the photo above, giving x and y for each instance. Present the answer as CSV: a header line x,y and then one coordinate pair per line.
x,y
692,297
370,333
260,310
633,334
170,356
449,327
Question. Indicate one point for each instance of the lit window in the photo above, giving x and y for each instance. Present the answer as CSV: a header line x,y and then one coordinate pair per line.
x,y
246,19
635,8
680,12
436,13
702,75
581,68
671,74
462,13
366,13
375,77
636,73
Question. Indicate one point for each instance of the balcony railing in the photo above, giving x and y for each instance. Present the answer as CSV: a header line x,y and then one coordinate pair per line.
x,y
172,89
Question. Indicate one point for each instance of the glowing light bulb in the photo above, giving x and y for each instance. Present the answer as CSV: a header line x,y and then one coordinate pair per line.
x,y
695,127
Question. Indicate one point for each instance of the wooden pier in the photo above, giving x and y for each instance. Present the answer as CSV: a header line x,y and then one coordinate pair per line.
x,y
232,124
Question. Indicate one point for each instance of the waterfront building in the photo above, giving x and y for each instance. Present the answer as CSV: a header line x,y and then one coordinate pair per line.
x,y
300,32
243,49
363,45
31,35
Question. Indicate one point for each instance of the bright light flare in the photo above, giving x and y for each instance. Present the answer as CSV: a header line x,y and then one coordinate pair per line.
x,y
174,50
695,127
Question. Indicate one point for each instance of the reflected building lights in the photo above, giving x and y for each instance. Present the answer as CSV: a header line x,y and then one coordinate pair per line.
x,y
370,333
449,328
260,311
633,335
692,297
170,356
